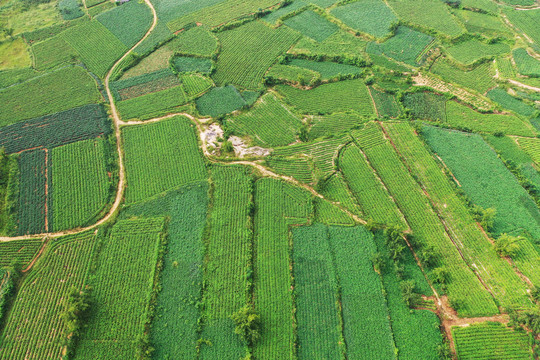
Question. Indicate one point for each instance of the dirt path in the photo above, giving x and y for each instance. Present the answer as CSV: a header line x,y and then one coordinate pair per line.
x,y
37,256
517,83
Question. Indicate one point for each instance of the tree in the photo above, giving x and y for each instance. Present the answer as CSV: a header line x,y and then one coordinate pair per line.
x,y
410,297
378,262
227,147
440,275
303,133
507,245
8,32
74,312
485,217
247,324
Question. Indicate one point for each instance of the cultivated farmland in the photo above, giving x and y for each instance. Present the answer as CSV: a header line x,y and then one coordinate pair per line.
x,y
269,179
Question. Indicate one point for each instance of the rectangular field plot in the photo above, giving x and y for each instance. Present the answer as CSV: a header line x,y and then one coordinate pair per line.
x,y
33,200
97,46
368,16
248,51
33,329
269,122
161,156
316,297
491,340
57,91
135,86
330,98
61,128
177,312
121,285
277,205
406,45
507,101
386,104
326,69
228,258
80,185
426,106
334,124
153,104
526,21
220,100
312,25
338,44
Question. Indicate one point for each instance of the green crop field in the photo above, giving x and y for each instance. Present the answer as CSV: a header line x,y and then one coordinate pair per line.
x,y
309,24
270,122
372,17
269,179
526,64
330,98
247,52
170,158
79,182
493,340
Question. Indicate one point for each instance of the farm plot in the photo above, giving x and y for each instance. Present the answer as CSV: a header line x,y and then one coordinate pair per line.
x,y
33,329
51,53
482,23
219,101
470,51
80,185
406,45
526,64
128,22
504,283
367,188
248,51
277,205
526,21
366,326
22,251
153,104
299,169
198,41
492,340
195,84
479,79
507,101
486,180
60,90
156,61
96,45
463,117
221,13
416,332
281,73
386,104
438,17
187,64
330,98
368,16
317,313
426,106
177,312
33,200
170,157
85,122
326,69
15,76
334,124
121,285
228,260
464,290
312,25
322,152
338,44
144,84
269,122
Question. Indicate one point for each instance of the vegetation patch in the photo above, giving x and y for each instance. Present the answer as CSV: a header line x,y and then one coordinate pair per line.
x,y
219,101
310,24
369,16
